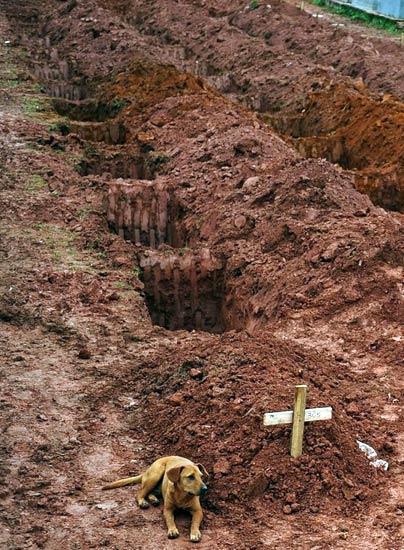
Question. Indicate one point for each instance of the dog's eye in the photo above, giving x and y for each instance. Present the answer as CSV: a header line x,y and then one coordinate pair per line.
x,y
192,477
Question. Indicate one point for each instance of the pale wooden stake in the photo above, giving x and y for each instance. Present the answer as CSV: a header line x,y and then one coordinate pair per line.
x,y
296,445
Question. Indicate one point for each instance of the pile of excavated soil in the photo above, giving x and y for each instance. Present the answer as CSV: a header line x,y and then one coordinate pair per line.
x,y
361,132
277,36
208,399
298,241
299,81
288,80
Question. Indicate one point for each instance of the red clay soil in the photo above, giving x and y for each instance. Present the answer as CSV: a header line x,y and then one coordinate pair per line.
x,y
297,77
229,32
303,270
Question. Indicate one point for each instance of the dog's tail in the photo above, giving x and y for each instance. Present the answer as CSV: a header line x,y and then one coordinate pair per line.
x,y
123,482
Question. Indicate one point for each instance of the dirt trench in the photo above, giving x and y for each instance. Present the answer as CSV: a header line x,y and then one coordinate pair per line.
x,y
162,207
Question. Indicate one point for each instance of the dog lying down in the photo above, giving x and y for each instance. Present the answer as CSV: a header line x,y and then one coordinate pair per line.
x,y
179,482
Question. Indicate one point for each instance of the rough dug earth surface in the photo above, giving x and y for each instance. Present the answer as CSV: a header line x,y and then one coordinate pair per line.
x,y
291,66
137,200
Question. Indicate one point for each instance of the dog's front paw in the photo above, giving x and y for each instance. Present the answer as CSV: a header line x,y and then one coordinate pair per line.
x,y
173,533
195,536
153,500
142,503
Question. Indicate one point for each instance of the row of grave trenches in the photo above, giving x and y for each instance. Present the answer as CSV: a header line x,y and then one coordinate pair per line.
x,y
246,168
183,288
314,95
286,86
153,97
72,94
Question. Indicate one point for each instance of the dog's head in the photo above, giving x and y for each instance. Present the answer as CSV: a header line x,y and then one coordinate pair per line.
x,y
189,478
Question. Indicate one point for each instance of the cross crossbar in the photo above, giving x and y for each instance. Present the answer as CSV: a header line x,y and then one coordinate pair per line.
x,y
297,418
286,417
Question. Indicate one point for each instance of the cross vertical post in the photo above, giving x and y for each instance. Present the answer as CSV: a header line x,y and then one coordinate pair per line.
x,y
296,445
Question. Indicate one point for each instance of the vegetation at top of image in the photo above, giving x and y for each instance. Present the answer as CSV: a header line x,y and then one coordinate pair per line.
x,y
123,285
117,105
183,250
254,4
9,77
155,160
90,150
359,16
9,82
137,271
84,212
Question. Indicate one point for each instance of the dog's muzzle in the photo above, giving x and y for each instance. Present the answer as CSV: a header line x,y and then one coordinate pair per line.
x,y
203,490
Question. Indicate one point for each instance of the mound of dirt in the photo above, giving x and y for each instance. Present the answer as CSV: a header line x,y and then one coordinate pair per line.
x,y
299,81
361,133
202,402
146,84
297,240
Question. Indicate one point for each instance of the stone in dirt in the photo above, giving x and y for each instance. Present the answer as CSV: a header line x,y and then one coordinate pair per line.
x,y
84,353
222,466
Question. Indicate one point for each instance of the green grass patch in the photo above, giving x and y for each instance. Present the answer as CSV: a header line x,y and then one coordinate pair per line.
x,y
9,77
90,150
123,285
9,83
117,104
61,127
35,105
37,88
154,161
84,212
35,183
360,16
137,271
60,243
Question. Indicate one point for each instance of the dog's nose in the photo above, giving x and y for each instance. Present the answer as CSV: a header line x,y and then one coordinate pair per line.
x,y
203,489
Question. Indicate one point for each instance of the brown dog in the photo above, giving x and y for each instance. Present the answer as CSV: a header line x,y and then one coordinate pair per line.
x,y
179,481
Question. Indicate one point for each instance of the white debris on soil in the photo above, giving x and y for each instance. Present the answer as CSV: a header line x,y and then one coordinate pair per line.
x,y
372,454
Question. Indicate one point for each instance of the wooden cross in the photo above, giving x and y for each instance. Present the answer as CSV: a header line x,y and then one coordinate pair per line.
x,y
297,418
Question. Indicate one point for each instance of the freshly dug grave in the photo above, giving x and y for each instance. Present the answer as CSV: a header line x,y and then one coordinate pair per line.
x,y
208,399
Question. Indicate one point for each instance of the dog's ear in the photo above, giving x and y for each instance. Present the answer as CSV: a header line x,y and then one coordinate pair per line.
x,y
174,473
203,470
